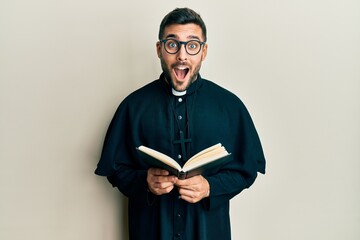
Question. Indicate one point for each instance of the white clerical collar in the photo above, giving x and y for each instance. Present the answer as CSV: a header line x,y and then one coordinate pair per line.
x,y
177,93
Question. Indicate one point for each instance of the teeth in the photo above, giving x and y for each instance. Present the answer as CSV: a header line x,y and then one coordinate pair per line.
x,y
182,68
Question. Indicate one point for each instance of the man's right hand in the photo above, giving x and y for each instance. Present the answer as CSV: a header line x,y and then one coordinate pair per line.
x,y
159,181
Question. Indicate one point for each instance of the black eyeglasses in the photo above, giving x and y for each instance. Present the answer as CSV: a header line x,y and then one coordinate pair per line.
x,y
192,47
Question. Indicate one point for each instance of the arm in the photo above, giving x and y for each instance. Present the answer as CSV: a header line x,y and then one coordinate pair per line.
x,y
143,186
118,160
223,185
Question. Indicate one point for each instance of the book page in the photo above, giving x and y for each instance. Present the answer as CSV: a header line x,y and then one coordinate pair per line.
x,y
208,155
160,156
205,151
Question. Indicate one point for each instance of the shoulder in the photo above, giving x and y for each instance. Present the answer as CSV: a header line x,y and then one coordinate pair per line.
x,y
225,101
222,99
149,89
148,92
143,98
218,92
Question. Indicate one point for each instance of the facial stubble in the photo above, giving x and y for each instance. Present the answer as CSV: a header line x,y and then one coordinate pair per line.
x,y
168,77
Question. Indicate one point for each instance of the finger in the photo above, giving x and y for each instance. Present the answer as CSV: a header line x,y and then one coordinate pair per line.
x,y
161,190
189,193
185,192
161,179
190,181
168,189
187,187
194,192
181,183
191,198
158,172
162,185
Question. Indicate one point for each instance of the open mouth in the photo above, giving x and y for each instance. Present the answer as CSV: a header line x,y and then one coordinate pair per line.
x,y
181,72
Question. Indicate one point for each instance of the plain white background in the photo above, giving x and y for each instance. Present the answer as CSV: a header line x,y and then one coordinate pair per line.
x,y
66,65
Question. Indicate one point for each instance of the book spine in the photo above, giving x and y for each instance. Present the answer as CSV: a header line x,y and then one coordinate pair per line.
x,y
181,175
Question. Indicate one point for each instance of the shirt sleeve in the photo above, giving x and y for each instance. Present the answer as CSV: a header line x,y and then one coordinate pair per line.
x,y
118,160
225,185
248,160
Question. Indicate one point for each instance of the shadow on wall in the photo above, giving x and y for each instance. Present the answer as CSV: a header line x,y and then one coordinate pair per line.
x,y
114,212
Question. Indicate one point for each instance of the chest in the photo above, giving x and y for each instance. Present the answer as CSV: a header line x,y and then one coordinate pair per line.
x,y
207,122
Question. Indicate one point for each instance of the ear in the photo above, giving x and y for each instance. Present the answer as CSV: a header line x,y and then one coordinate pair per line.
x,y
158,48
204,52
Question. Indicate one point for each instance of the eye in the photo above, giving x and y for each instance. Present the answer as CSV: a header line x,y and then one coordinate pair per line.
x,y
193,45
172,44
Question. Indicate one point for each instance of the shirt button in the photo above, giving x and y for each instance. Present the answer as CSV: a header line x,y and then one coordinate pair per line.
x,y
179,156
179,117
180,99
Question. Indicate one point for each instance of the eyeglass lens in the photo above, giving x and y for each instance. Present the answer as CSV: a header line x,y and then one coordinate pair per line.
x,y
173,46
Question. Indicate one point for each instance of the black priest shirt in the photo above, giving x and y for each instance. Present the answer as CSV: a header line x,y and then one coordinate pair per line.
x,y
206,115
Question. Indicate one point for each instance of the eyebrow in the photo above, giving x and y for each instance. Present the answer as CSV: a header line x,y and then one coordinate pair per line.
x,y
189,37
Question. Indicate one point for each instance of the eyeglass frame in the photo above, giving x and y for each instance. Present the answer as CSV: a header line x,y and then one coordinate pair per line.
x,y
182,43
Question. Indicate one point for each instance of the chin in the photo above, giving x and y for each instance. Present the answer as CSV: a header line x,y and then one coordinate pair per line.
x,y
181,86
180,89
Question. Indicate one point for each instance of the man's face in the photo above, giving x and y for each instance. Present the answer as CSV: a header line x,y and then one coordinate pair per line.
x,y
181,69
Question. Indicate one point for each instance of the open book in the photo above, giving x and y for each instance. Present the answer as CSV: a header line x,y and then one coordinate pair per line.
x,y
209,160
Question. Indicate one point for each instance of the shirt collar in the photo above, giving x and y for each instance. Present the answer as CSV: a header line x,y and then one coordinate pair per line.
x,y
177,93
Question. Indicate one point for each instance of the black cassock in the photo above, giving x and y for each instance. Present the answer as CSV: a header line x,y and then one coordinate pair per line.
x,y
153,116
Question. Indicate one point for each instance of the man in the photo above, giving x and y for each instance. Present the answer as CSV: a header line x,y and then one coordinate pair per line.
x,y
180,114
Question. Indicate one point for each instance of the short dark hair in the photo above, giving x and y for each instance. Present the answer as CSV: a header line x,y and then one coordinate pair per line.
x,y
182,16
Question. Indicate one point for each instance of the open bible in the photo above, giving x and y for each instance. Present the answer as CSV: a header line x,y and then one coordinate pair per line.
x,y
208,160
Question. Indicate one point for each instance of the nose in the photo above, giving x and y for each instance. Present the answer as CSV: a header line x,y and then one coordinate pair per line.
x,y
182,54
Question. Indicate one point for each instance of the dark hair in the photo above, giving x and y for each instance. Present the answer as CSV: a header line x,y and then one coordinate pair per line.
x,y
182,16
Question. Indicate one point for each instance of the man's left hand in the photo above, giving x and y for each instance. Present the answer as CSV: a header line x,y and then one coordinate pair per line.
x,y
193,189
